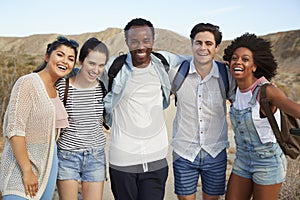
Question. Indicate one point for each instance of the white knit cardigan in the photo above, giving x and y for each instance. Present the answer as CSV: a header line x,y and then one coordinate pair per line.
x,y
30,113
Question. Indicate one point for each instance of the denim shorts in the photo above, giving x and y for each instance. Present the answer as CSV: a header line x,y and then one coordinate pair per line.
x,y
87,166
211,170
266,167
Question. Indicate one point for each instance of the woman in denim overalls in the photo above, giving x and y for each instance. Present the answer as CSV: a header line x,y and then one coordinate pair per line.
x,y
260,165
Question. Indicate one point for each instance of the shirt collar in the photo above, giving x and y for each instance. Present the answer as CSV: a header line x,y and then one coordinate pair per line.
x,y
213,72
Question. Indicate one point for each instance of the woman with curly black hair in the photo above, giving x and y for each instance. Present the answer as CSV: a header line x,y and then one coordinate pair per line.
x,y
260,165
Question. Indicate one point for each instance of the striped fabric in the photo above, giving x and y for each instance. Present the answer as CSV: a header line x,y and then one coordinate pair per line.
x,y
85,108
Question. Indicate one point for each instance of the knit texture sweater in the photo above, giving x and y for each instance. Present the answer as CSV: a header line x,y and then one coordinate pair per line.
x,y
30,113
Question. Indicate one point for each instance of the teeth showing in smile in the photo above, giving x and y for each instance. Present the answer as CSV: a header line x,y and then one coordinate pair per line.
x,y
238,69
202,54
62,67
141,54
92,74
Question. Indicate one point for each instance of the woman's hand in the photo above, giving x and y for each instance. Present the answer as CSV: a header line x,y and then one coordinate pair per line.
x,y
30,183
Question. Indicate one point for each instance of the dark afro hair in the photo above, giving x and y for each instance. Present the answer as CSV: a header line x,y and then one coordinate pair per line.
x,y
262,54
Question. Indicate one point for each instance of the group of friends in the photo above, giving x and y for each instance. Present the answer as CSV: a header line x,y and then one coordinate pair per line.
x,y
54,139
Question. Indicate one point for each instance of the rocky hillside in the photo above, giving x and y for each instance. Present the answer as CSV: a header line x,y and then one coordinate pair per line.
x,y
286,44
286,49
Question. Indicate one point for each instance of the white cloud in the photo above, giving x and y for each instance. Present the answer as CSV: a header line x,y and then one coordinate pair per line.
x,y
223,10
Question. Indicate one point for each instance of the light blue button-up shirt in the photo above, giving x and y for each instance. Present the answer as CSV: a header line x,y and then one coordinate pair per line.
x,y
200,121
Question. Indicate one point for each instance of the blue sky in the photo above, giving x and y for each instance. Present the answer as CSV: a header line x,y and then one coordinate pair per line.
x,y
71,17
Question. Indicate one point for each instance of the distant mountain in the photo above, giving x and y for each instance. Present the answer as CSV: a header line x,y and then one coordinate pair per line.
x,y
286,44
286,48
112,37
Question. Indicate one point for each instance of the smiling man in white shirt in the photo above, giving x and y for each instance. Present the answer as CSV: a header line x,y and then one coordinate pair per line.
x,y
200,128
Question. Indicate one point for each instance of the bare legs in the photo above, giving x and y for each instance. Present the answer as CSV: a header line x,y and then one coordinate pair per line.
x,y
68,190
240,188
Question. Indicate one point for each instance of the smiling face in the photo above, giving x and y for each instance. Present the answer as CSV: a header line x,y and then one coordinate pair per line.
x,y
242,63
204,48
93,66
140,42
61,61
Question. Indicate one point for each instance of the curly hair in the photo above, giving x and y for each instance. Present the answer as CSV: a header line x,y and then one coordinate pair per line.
x,y
262,54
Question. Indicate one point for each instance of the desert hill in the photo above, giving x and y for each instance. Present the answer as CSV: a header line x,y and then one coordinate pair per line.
x,y
286,44
286,49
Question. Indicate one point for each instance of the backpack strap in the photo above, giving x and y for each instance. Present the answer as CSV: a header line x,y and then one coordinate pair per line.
x,y
104,92
163,60
224,76
180,76
266,107
66,91
114,69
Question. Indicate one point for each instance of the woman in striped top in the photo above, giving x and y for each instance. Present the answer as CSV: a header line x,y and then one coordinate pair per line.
x,y
81,145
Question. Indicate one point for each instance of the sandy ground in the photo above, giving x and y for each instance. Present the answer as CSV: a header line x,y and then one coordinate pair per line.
x,y
169,194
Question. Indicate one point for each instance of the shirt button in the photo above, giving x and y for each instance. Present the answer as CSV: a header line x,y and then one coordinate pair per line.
x,y
199,95
200,120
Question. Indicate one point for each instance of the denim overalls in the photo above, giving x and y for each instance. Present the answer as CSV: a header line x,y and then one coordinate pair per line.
x,y
265,163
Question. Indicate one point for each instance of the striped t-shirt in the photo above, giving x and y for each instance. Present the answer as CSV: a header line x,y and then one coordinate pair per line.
x,y
85,109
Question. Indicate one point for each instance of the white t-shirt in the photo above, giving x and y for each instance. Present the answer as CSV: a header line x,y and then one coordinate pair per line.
x,y
262,125
138,133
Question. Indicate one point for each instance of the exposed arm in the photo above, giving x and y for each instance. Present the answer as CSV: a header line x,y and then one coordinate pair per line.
x,y
175,60
277,98
20,151
18,112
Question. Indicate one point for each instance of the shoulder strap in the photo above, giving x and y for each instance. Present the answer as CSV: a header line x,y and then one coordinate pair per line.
x,y
66,91
115,68
104,92
266,107
223,73
163,60
180,76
